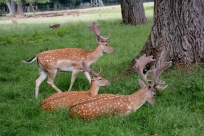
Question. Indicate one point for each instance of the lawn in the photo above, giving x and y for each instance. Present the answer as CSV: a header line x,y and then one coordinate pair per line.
x,y
179,108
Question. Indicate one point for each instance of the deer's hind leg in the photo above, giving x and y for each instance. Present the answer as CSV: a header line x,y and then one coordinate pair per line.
x,y
51,77
40,79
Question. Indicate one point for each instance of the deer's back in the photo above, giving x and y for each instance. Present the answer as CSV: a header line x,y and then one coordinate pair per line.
x,y
96,107
64,99
61,58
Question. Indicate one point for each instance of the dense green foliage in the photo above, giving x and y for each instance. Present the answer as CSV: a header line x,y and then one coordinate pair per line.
x,y
179,109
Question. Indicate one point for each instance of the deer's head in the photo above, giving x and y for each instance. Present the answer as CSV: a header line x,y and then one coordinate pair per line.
x,y
151,86
95,77
102,41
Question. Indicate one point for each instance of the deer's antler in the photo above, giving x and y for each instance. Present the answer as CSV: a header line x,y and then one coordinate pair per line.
x,y
140,64
95,28
91,71
156,72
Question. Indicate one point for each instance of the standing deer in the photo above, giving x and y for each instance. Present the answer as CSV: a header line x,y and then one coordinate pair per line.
x,y
69,59
109,104
66,99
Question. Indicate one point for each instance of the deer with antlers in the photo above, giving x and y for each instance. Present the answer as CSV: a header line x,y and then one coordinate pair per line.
x,y
69,59
109,104
66,99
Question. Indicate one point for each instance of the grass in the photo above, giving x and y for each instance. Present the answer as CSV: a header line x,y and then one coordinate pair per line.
x,y
179,109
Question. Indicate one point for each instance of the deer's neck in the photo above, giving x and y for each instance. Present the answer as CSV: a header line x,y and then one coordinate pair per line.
x,y
95,54
138,98
93,91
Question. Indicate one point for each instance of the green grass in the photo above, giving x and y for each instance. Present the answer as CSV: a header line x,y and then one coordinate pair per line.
x,y
179,109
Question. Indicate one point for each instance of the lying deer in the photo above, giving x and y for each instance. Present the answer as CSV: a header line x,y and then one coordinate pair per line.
x,y
65,14
19,15
66,99
109,104
55,26
14,21
69,59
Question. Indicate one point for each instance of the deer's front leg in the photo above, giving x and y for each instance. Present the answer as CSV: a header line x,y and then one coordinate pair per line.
x,y
87,76
74,74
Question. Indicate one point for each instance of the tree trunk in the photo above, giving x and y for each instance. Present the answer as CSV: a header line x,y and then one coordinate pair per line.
x,y
55,4
133,12
177,34
11,7
48,7
20,9
32,8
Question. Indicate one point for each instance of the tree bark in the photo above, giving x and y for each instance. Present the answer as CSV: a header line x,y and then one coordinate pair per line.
x,y
133,12
55,5
20,9
11,7
177,34
32,8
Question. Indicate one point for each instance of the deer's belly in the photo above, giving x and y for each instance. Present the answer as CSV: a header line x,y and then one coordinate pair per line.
x,y
66,68
67,65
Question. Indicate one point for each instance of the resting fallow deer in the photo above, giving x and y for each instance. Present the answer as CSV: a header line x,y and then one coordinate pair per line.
x,y
109,104
19,15
65,14
55,26
14,21
69,59
66,99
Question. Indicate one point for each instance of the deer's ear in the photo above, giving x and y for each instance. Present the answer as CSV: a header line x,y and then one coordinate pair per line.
x,y
141,83
92,78
98,40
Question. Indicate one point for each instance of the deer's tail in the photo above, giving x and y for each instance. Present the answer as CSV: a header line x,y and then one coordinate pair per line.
x,y
29,61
